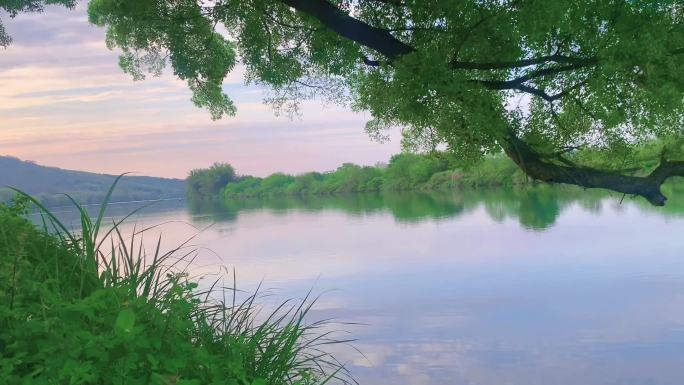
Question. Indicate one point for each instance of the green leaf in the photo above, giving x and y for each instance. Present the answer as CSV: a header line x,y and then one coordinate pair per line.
x,y
125,321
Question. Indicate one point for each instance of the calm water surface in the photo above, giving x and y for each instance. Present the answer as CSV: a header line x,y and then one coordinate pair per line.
x,y
542,286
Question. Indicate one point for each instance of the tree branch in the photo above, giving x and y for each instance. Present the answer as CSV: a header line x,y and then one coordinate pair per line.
x,y
518,83
555,58
514,83
301,83
382,41
396,3
537,167
419,29
530,161
353,29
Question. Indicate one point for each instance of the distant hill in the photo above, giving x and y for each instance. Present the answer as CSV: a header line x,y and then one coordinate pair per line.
x,y
49,183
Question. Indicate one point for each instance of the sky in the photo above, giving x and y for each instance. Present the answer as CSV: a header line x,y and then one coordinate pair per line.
x,y
64,102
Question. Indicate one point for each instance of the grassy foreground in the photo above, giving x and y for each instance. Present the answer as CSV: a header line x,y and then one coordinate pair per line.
x,y
94,308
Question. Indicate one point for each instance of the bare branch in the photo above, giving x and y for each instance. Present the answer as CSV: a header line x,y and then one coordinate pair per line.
x,y
514,83
555,58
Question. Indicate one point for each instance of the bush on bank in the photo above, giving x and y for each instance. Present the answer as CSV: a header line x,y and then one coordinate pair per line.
x,y
420,172
77,310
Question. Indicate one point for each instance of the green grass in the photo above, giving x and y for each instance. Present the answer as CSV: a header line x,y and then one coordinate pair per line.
x,y
95,307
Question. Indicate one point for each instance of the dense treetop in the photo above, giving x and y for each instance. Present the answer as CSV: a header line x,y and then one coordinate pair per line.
x,y
533,78
207,183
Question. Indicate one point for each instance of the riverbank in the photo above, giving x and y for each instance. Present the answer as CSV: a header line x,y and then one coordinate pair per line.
x,y
407,172
93,307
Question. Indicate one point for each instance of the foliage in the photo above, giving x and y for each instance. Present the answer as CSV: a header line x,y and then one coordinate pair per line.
x,y
404,172
244,186
495,170
434,171
93,308
535,206
473,77
179,31
598,73
640,160
277,182
207,183
407,171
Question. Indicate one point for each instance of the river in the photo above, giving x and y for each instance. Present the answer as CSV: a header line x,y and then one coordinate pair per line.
x,y
535,286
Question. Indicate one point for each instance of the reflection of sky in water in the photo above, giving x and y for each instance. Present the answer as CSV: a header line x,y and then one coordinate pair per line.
x,y
597,298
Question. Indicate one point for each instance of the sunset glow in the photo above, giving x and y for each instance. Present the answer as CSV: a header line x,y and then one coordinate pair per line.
x,y
65,102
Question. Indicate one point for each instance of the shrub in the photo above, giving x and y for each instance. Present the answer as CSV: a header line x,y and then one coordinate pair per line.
x,y
75,309
276,183
407,171
245,186
309,183
207,183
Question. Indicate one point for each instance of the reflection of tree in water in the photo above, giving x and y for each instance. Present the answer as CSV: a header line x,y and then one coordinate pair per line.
x,y
413,207
404,206
210,211
674,191
535,207
538,208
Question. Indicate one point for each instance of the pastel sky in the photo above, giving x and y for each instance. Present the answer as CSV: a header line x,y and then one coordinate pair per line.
x,y
65,102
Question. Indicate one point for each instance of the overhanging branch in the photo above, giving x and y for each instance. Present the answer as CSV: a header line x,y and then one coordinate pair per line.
x,y
353,29
555,58
382,41
531,162
540,167
519,82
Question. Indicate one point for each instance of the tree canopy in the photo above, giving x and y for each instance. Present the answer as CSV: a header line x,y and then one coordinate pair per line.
x,y
207,183
533,78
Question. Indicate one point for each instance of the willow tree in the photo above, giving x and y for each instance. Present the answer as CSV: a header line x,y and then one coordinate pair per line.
x,y
532,78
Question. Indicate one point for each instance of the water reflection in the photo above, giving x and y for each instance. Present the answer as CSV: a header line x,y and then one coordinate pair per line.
x,y
534,207
537,286
534,286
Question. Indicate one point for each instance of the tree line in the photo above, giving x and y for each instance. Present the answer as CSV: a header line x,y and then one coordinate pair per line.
x,y
528,78
406,171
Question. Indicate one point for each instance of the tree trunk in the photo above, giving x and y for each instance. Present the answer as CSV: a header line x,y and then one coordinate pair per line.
x,y
541,168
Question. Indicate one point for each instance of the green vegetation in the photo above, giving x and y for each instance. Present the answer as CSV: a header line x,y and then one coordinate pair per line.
x,y
411,172
403,173
528,79
207,183
93,308
49,184
534,206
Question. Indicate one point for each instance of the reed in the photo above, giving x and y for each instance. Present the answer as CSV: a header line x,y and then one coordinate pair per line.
x,y
94,306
